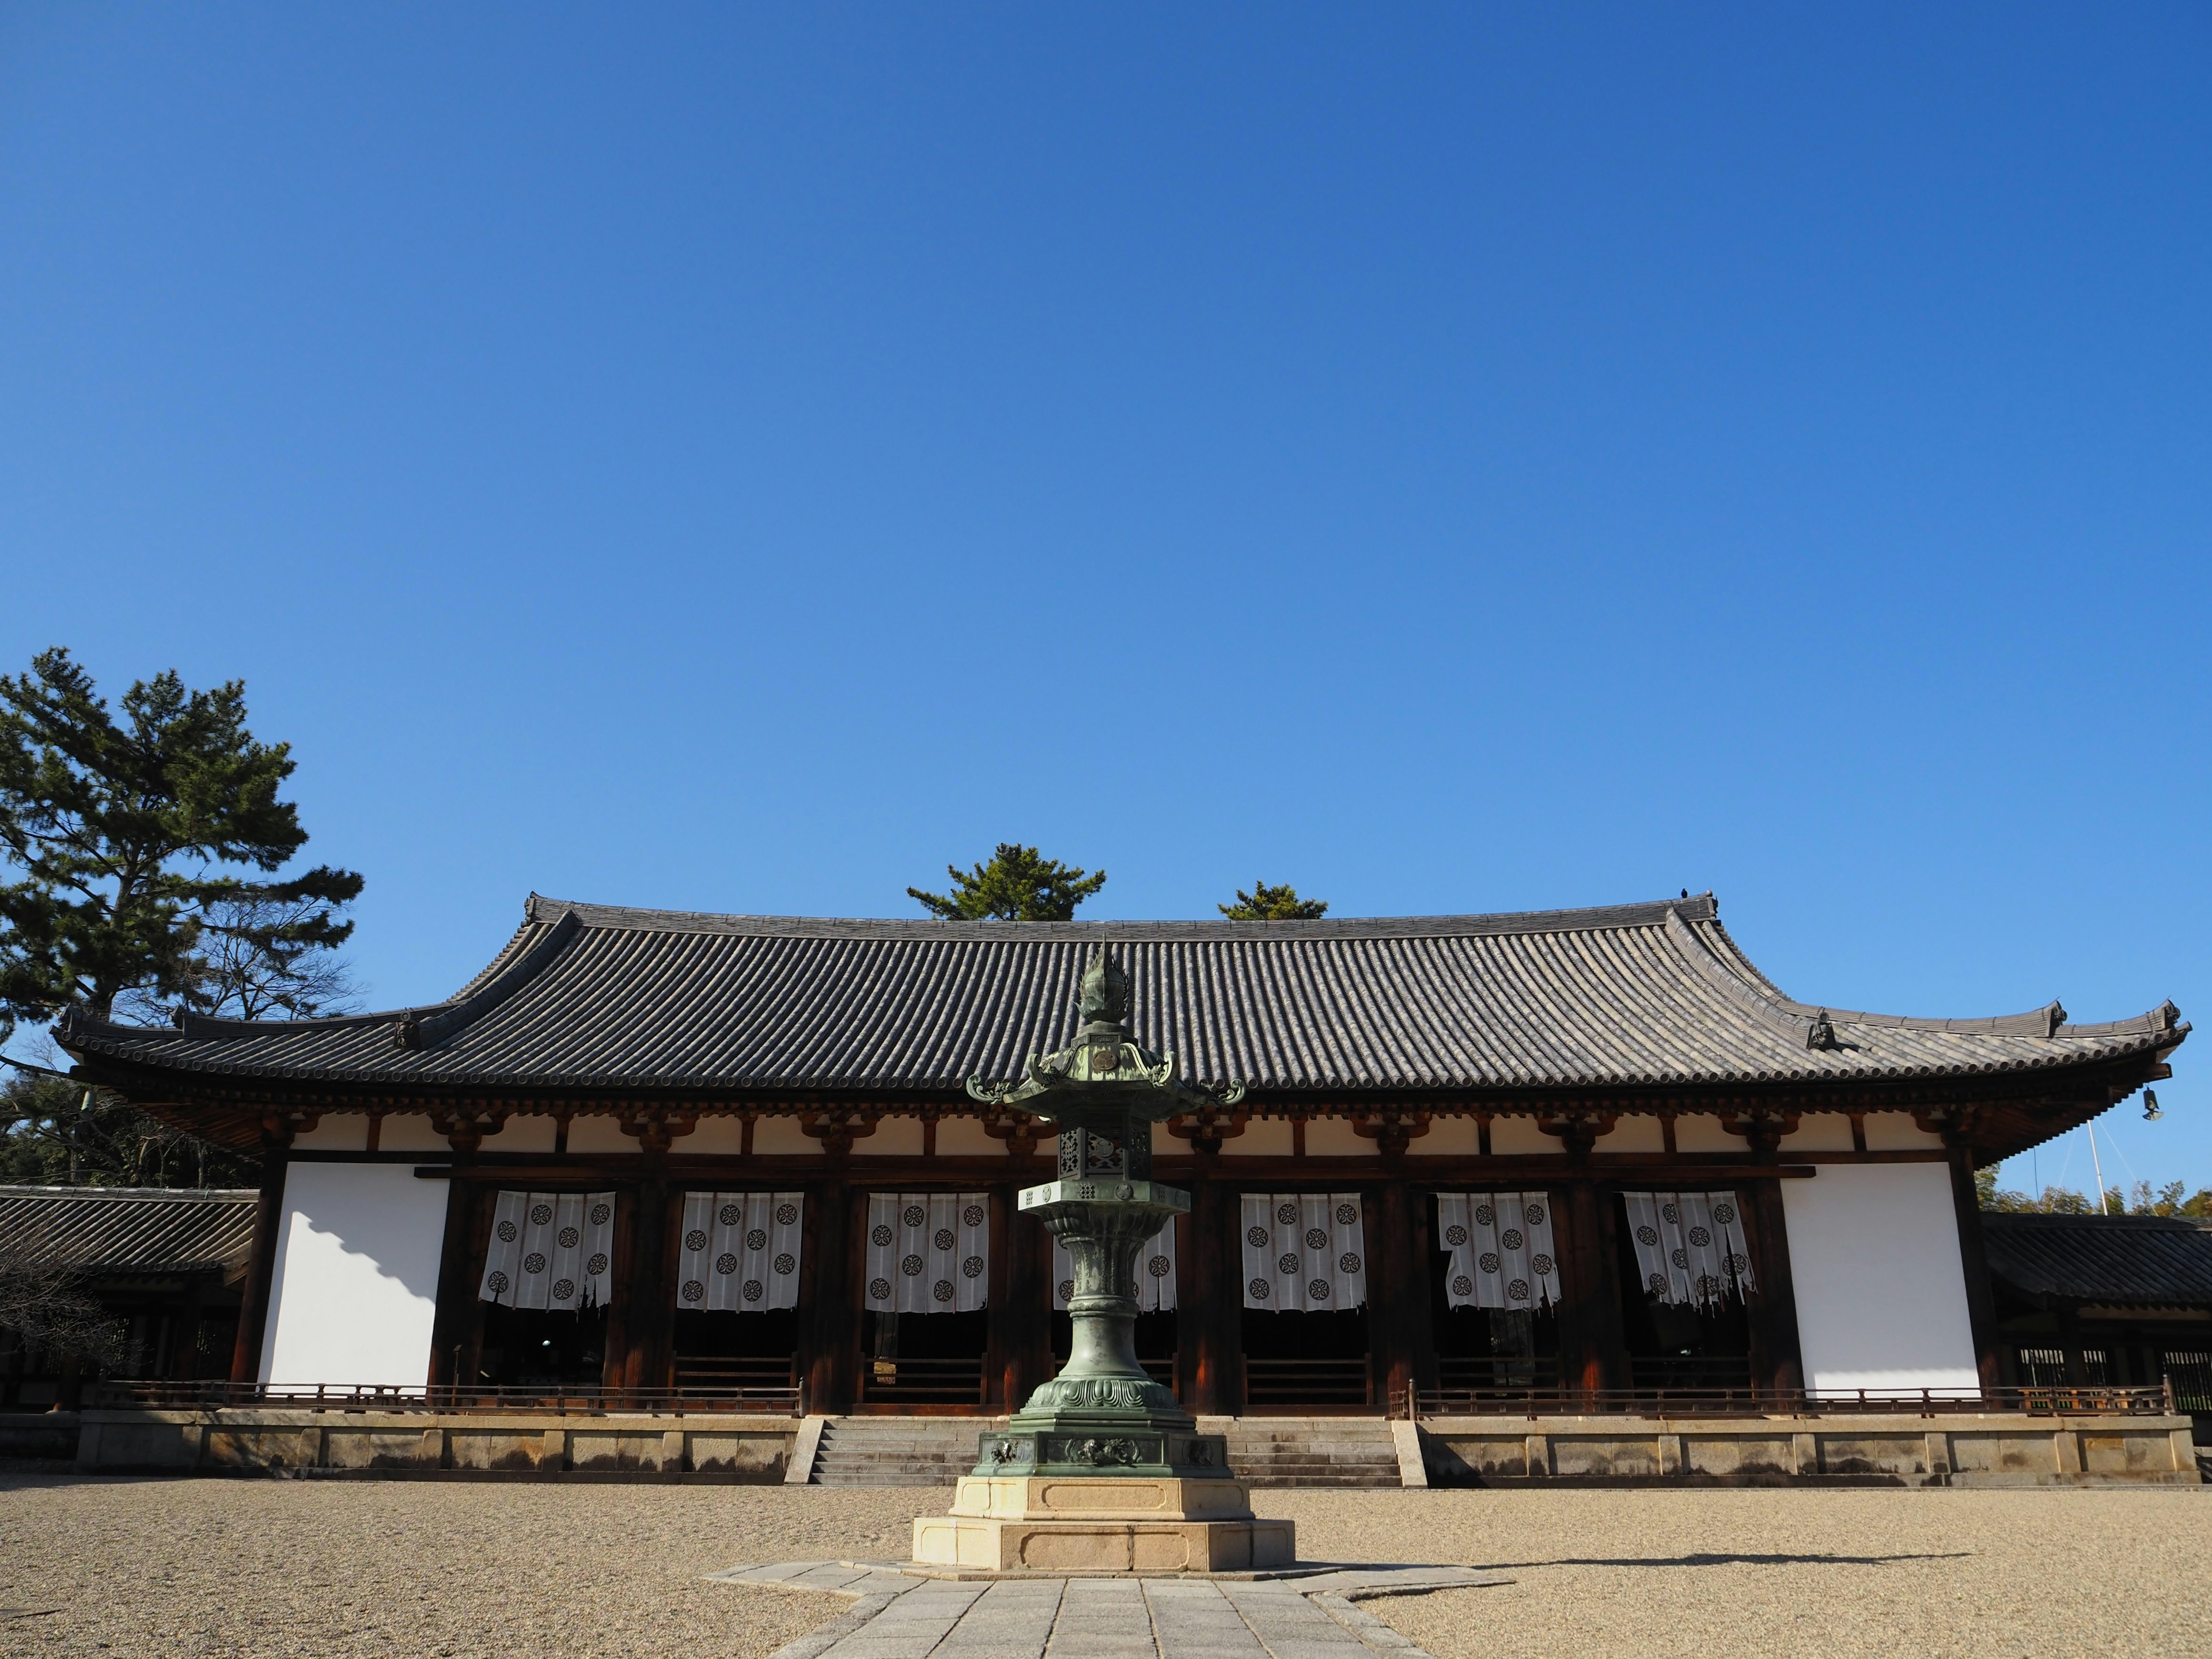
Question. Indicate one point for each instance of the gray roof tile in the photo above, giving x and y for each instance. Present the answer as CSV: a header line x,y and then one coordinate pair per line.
x,y
595,996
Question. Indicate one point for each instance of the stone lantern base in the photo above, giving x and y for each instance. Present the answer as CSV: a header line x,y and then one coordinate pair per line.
x,y
1095,1523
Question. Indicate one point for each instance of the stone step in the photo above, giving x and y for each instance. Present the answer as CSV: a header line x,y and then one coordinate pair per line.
x,y
1327,1451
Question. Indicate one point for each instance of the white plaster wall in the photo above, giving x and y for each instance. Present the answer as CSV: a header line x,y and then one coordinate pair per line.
x,y
965,1137
336,1131
1819,1132
1337,1137
895,1137
1882,1295
530,1133
1448,1137
713,1137
410,1132
355,1280
599,1134
1518,1137
1268,1137
1634,1133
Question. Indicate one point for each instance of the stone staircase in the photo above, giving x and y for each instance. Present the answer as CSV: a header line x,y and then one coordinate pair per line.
x,y
1310,1451
1263,1451
898,1451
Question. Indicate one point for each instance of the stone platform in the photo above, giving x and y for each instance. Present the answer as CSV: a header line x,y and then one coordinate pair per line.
x,y
1102,1523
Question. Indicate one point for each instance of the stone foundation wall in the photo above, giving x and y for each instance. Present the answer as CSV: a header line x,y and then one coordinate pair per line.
x,y
1955,1449
400,1444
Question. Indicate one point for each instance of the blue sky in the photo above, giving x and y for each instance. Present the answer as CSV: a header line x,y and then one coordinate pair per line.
x,y
1451,458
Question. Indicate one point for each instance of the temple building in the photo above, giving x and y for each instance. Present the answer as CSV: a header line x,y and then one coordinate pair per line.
x,y
672,1154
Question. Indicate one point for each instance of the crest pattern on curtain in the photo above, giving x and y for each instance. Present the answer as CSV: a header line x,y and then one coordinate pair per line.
x,y
1304,1252
741,1251
928,1252
1501,1249
551,1250
1690,1247
1156,1274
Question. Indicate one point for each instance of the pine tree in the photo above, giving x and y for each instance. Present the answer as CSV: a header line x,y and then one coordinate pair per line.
x,y
119,827
1265,903
1018,884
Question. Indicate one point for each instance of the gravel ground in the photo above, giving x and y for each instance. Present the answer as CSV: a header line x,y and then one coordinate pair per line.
x,y
255,1568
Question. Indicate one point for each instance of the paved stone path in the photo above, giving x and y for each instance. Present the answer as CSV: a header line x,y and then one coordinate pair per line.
x,y
898,1615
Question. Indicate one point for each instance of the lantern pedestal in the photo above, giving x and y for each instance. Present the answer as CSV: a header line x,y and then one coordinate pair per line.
x,y
1102,1471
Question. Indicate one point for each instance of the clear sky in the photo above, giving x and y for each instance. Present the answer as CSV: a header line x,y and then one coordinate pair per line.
x,y
1457,458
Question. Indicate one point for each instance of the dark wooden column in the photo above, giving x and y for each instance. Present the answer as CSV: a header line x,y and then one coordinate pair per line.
x,y
1777,1364
1021,1301
637,1345
1210,1293
268,1216
1402,1347
1593,1345
1974,1263
452,1326
829,1303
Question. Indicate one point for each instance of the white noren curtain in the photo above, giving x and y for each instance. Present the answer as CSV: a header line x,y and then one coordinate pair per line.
x,y
928,1252
741,1251
1304,1252
551,1250
1690,1247
1156,1273
1501,1249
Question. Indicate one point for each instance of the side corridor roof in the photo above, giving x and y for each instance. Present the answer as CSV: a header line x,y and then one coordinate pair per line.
x,y
596,996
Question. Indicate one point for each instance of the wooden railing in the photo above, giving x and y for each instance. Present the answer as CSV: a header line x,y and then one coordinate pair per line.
x,y
955,1382
1532,1403
1305,1382
716,1372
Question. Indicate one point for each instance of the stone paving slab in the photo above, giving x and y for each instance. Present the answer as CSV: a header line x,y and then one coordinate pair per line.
x,y
1306,1614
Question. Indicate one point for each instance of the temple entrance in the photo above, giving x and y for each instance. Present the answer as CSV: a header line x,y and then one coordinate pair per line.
x,y
1676,1344
553,1348
1305,1358
717,1352
1482,1350
925,1359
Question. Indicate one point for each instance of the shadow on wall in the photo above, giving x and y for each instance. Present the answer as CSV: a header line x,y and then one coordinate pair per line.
x,y
355,1285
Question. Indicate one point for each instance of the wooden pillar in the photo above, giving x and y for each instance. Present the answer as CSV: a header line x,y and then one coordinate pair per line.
x,y
1593,1345
830,1299
453,1325
1777,1364
1020,1357
1210,1294
637,1345
1401,1347
268,1216
1974,1263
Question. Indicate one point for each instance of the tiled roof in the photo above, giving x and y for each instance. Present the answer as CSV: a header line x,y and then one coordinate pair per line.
x,y
2150,1261
593,996
119,1229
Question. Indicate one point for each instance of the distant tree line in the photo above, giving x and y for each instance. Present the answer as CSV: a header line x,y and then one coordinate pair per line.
x,y
2140,1199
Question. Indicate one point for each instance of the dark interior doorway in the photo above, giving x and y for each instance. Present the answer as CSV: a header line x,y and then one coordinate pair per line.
x,y
1507,1349
541,1347
723,1350
1305,1358
1671,1345
925,1358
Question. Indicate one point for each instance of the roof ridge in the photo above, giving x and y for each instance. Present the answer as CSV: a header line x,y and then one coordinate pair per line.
x,y
1647,914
